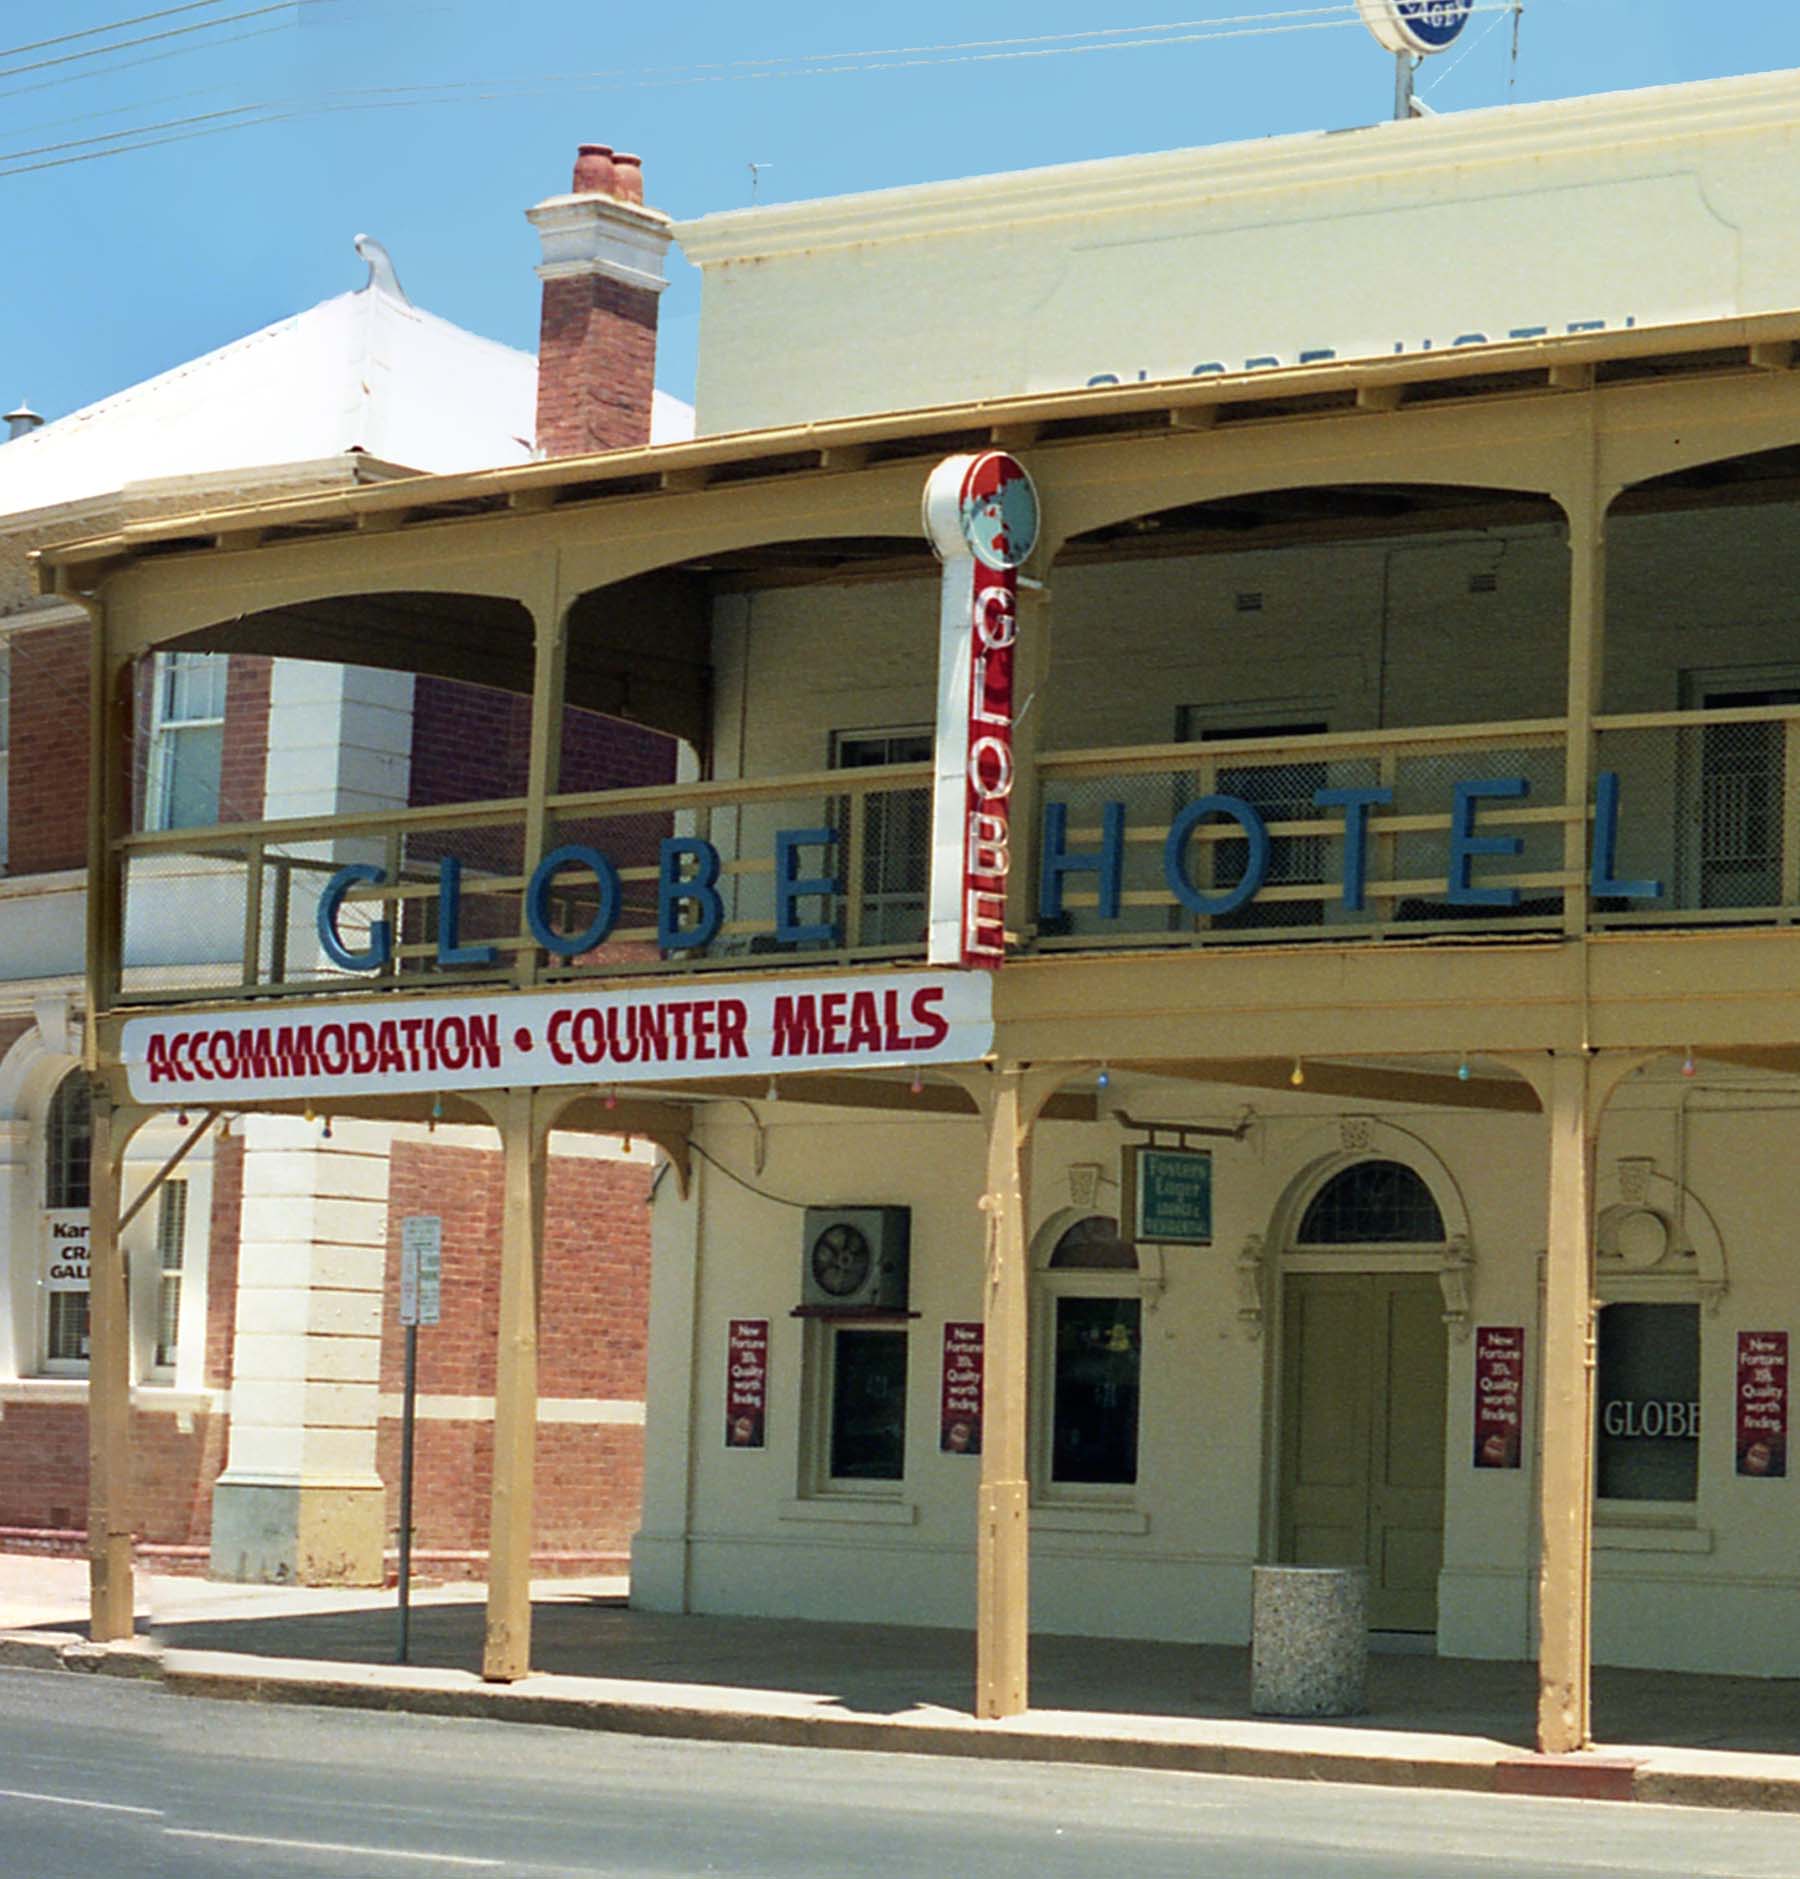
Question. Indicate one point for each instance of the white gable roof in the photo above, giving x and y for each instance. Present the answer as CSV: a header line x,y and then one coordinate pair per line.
x,y
366,371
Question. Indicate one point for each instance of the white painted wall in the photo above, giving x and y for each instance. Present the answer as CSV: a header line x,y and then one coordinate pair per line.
x,y
1690,1587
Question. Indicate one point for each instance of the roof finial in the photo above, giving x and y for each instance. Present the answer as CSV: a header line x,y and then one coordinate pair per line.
x,y
381,269
20,420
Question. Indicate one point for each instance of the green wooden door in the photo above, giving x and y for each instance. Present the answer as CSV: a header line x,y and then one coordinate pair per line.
x,y
1362,1466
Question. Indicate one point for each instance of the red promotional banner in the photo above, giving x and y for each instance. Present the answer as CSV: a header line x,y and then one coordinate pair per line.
x,y
959,1425
1499,1395
746,1383
1762,1404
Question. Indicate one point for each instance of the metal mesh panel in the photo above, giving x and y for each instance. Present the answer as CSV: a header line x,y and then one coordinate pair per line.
x,y
1708,809
184,920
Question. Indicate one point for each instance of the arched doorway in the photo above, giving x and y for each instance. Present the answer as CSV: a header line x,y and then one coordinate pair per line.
x,y
1364,1355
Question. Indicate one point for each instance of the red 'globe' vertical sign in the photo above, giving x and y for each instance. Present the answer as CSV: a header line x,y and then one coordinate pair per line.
x,y
981,515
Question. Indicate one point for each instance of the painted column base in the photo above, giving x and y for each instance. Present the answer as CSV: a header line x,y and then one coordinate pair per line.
x,y
295,1533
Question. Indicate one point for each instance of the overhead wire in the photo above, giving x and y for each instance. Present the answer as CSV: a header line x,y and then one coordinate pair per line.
x,y
146,39
266,112
110,26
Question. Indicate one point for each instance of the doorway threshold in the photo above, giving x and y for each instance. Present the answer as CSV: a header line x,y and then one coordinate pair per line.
x,y
1403,1643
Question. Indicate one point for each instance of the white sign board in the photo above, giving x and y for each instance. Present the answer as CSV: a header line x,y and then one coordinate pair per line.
x,y
375,1047
421,1267
63,1241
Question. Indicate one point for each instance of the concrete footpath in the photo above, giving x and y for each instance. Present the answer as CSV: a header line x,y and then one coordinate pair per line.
x,y
1439,1723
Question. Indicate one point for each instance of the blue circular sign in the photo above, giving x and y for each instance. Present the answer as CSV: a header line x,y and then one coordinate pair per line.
x,y
1419,26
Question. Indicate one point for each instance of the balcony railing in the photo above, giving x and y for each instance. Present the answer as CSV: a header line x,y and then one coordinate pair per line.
x,y
1699,825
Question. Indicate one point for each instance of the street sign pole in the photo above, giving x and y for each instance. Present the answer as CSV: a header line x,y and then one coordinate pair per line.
x,y
421,1270
406,1490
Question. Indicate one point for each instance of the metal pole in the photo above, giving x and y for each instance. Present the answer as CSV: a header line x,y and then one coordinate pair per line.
x,y
406,1487
1403,85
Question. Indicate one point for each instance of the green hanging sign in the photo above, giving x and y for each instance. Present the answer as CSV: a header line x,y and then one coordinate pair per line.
x,y
1169,1191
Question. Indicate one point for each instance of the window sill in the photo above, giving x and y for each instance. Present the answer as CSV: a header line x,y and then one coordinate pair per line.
x,y
1090,1520
1642,1537
158,1398
853,1509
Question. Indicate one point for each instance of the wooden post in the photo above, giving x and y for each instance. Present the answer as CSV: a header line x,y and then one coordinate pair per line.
x,y
524,1151
544,771
1586,502
111,1602
1003,1541
1566,1479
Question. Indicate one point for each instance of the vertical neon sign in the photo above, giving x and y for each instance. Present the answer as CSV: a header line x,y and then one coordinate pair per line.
x,y
981,516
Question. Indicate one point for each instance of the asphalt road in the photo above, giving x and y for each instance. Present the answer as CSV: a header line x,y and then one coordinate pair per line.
x,y
100,1777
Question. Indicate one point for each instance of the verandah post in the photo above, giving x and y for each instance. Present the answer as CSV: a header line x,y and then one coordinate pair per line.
x,y
506,1656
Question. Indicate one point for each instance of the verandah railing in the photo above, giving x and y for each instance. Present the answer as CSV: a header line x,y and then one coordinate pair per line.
x,y
1706,811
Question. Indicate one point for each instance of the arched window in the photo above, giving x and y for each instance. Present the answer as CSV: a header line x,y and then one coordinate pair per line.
x,y
1373,1203
1096,1341
68,1155
68,1143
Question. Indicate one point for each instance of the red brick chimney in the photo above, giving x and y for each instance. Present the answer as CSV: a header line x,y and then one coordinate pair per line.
x,y
603,274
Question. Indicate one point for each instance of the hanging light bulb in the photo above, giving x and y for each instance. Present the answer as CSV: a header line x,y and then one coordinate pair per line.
x,y
918,1082
612,1098
628,1144
309,1113
437,1110
328,1128
1462,1071
181,1118
1104,1080
772,1093
224,1128
1297,1076
1687,1063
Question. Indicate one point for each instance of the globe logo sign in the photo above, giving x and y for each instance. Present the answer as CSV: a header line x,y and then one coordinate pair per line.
x,y
1416,26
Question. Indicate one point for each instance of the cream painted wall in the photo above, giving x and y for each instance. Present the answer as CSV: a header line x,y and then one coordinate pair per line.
x,y
1683,1587
1394,237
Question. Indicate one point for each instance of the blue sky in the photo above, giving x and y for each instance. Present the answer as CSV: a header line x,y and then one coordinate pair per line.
x,y
126,264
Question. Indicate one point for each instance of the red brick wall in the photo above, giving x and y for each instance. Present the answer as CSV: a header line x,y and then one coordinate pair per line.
x,y
44,1471
46,806
471,743
243,769
595,1306
596,366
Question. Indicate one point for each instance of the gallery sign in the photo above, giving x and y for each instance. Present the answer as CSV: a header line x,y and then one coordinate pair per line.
x,y
1499,1395
64,1235
1762,1404
981,515
529,1040
1169,1196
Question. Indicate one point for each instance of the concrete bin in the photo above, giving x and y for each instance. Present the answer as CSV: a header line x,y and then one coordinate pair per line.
x,y
1309,1640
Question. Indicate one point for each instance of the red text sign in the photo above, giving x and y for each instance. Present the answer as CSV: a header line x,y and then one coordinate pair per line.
x,y
747,1383
1499,1395
959,1423
1762,1404
982,516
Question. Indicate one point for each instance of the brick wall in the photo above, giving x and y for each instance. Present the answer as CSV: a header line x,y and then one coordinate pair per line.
x,y
44,1472
471,743
46,805
595,1305
243,768
596,365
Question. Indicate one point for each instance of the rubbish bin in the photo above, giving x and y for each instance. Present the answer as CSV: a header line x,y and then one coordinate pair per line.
x,y
1309,1640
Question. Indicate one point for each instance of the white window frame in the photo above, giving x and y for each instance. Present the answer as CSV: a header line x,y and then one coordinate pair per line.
x,y
167,730
1696,683
1048,1285
858,906
819,1365
46,1203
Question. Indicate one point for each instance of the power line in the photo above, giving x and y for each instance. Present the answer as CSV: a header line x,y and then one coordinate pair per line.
x,y
810,65
111,26
145,39
150,58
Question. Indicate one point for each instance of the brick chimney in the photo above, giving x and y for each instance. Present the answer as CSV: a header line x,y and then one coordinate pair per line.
x,y
603,274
